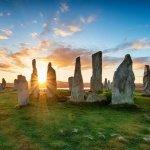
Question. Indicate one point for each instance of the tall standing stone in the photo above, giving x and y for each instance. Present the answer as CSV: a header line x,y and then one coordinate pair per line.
x,y
51,82
123,83
105,84
22,87
146,80
3,85
34,81
70,82
109,85
96,79
77,92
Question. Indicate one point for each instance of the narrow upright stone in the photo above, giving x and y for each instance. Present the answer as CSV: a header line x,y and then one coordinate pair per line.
x,y
22,87
123,83
96,79
51,82
146,80
77,92
109,85
34,81
3,85
70,82
105,84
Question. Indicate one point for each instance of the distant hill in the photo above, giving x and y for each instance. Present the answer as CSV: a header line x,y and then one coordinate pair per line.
x,y
61,84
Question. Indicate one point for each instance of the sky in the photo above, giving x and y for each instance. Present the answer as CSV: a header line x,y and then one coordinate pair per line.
x,y
58,31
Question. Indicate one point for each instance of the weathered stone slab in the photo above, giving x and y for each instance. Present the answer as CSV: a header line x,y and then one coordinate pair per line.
x,y
123,83
3,85
51,82
70,82
22,87
34,81
96,79
77,92
146,80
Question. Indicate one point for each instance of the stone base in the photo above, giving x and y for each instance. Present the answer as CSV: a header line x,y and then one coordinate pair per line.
x,y
93,97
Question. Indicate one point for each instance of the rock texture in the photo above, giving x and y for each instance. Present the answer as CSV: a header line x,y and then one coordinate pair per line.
x,y
146,80
77,93
123,83
22,87
34,81
51,82
3,85
96,79
70,82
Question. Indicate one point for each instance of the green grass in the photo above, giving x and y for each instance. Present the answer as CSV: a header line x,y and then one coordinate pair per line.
x,y
49,125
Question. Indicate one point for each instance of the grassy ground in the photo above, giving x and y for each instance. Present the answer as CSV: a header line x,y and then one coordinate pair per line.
x,y
49,125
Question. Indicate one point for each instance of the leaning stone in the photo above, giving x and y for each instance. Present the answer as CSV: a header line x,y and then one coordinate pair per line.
x,y
93,97
123,83
51,82
77,92
96,79
146,80
22,87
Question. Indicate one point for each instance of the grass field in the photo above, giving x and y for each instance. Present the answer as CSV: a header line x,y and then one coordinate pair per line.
x,y
50,125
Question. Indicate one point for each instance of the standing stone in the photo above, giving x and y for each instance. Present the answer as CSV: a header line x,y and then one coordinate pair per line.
x,y
77,92
51,82
22,87
96,79
3,85
34,81
109,85
105,84
70,82
123,83
15,84
146,80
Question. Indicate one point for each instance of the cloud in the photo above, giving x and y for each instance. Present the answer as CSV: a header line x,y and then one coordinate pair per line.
x,y
34,35
3,37
74,28
8,14
5,34
64,7
134,45
87,20
67,30
34,21
1,14
45,25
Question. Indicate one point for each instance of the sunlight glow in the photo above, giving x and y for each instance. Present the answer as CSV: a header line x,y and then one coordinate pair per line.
x,y
42,71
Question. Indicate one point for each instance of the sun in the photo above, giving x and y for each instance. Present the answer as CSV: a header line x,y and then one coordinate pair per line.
x,y
41,80
42,72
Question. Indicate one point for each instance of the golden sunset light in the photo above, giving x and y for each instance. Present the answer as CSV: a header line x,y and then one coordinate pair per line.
x,y
74,74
